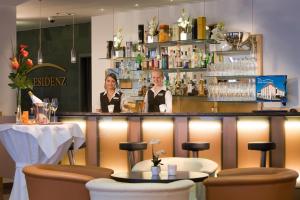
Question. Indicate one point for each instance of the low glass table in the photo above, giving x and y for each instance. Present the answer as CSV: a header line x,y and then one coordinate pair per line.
x,y
163,177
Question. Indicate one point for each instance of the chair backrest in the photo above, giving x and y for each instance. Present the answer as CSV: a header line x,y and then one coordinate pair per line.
x,y
183,164
49,182
252,183
108,189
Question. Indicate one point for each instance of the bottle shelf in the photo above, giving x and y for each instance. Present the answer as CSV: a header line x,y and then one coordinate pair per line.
x,y
231,76
233,52
180,42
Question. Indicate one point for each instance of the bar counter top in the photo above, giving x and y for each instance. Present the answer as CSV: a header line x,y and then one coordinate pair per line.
x,y
225,114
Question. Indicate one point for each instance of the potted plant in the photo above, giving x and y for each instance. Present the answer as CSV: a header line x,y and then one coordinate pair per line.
x,y
21,65
155,169
185,25
152,25
118,38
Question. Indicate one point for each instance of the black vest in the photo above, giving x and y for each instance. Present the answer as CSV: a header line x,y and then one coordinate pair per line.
x,y
116,101
154,102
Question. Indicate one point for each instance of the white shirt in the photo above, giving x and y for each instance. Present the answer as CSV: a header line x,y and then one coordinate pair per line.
x,y
122,99
168,99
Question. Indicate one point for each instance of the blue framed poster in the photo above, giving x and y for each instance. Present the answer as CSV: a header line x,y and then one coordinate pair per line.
x,y
271,88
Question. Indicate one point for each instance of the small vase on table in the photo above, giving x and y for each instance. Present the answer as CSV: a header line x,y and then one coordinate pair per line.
x,y
155,170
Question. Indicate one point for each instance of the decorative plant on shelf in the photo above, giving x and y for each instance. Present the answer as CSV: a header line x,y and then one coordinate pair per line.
x,y
118,38
153,25
185,21
218,33
155,155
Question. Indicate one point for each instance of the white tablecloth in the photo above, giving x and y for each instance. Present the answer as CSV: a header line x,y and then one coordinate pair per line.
x,y
31,144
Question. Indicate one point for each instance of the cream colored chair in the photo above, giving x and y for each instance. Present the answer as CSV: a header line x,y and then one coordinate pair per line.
x,y
184,164
108,189
252,183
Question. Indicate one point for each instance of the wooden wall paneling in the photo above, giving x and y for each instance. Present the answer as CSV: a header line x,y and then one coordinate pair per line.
x,y
229,143
180,136
92,142
134,135
277,135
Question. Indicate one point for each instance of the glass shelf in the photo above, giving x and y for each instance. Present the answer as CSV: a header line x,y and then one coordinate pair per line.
x,y
180,42
231,76
233,52
175,70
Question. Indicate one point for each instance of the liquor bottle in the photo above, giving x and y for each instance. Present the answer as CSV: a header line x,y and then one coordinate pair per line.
x,y
141,33
34,99
195,58
190,88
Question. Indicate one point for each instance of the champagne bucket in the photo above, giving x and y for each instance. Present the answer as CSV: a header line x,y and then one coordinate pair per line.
x,y
41,113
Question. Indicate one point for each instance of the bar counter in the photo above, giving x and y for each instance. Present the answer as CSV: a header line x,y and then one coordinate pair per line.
x,y
227,133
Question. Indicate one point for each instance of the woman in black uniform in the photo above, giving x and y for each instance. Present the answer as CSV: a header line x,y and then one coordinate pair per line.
x,y
158,95
111,96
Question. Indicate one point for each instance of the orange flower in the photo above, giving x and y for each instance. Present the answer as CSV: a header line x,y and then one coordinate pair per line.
x,y
24,53
29,63
14,63
23,46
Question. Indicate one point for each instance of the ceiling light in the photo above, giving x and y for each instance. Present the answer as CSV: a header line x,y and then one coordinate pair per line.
x,y
101,9
40,54
136,5
171,0
73,52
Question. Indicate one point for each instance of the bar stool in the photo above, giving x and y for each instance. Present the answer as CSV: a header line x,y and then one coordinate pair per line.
x,y
195,147
131,147
263,147
71,153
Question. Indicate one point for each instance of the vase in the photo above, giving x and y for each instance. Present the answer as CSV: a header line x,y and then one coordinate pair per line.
x,y
19,110
119,53
183,35
155,170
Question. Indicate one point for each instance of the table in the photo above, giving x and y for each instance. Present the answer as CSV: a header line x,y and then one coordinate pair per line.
x,y
32,144
146,177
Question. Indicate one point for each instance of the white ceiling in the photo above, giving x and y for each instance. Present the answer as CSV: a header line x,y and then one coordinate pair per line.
x,y
28,12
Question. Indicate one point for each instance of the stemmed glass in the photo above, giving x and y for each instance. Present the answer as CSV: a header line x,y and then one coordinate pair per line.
x,y
47,108
54,105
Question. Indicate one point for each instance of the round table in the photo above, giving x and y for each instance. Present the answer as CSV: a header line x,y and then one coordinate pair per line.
x,y
146,177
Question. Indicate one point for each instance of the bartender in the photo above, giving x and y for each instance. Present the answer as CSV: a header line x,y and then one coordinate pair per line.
x,y
111,95
158,98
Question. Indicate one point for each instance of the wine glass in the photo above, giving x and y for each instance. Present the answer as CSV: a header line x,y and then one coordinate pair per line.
x,y
54,105
47,109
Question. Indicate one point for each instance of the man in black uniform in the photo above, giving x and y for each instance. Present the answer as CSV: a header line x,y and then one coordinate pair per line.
x,y
158,98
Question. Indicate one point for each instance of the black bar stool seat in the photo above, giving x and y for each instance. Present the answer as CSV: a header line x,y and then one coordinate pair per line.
x,y
71,153
195,147
263,147
131,147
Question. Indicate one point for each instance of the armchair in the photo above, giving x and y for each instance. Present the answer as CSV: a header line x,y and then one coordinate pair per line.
x,y
48,182
108,189
252,183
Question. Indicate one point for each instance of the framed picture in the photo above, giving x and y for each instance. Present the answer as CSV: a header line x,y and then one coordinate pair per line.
x,y
271,88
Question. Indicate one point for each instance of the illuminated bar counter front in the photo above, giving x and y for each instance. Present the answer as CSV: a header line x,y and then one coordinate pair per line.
x,y
227,133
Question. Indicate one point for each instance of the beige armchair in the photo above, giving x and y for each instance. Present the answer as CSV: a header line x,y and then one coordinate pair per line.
x,y
252,183
108,189
49,182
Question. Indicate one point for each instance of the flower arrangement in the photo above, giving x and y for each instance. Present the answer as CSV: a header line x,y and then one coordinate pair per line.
x,y
155,155
118,38
20,64
218,33
153,25
185,21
